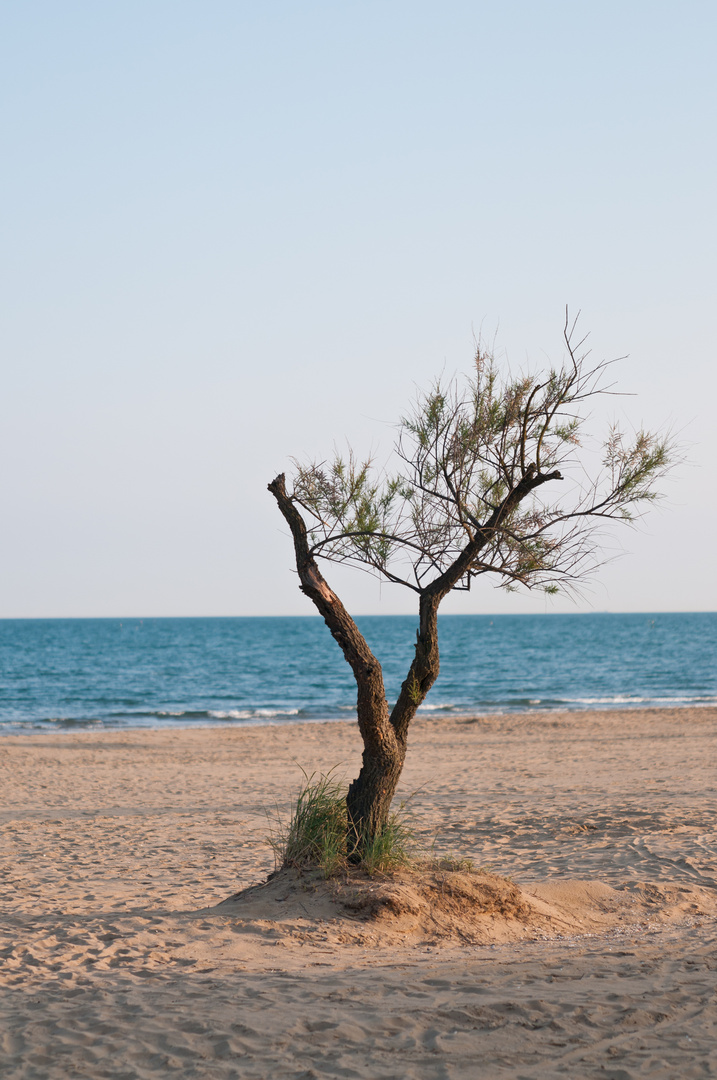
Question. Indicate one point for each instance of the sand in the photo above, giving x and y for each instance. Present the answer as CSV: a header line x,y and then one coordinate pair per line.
x,y
122,956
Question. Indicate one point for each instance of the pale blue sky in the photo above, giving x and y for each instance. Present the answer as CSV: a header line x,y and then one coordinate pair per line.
x,y
236,232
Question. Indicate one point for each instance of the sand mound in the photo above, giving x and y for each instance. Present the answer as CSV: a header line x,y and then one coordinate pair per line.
x,y
450,906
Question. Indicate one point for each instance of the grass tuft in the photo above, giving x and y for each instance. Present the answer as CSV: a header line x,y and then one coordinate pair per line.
x,y
316,834
389,849
454,864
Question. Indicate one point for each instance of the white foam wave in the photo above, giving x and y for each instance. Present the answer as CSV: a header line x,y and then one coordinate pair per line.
x,y
629,700
276,712
250,714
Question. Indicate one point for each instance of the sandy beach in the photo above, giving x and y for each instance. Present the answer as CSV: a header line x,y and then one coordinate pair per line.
x,y
120,957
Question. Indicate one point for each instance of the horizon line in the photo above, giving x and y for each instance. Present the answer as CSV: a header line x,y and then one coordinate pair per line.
x,y
362,615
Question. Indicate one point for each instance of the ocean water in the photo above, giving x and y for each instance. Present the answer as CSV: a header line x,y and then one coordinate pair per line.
x,y
132,673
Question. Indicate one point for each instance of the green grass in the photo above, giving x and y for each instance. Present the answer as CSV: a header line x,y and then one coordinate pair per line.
x,y
390,848
316,833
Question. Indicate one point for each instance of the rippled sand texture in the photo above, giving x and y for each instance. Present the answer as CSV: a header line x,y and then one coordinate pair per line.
x,y
115,962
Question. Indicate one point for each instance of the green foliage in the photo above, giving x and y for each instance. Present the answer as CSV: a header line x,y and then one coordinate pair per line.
x,y
473,464
316,834
414,689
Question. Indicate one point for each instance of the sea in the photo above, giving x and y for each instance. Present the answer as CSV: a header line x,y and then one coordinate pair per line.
x,y
59,674
69,674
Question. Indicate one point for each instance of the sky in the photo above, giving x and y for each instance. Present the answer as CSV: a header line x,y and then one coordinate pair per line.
x,y
236,233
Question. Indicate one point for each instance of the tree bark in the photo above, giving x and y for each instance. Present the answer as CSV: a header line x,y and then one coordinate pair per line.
x,y
370,795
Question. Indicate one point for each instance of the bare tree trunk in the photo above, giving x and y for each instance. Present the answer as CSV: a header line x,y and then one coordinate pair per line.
x,y
385,737
369,797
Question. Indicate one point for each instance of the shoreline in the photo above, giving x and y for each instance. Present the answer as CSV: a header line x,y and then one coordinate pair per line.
x,y
436,712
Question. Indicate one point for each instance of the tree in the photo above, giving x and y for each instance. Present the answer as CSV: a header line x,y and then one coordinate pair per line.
x,y
475,492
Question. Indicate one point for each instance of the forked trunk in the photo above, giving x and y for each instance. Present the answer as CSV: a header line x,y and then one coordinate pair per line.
x,y
371,794
384,737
